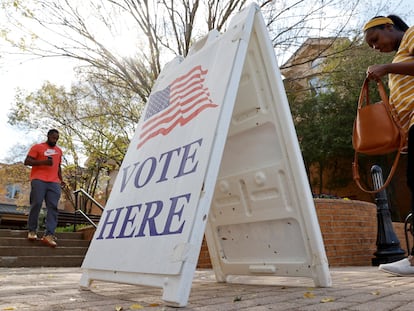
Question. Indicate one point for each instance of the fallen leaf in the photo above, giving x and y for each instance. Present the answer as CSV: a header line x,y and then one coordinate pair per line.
x,y
154,305
9,308
327,299
376,293
237,298
308,295
136,307
118,308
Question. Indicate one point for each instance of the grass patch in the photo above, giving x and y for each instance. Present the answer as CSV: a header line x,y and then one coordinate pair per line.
x,y
71,228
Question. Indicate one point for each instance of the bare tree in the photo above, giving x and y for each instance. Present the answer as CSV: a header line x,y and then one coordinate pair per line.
x,y
84,30
87,30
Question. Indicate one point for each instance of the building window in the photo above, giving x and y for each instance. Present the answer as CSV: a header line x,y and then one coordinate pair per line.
x,y
316,62
13,191
317,85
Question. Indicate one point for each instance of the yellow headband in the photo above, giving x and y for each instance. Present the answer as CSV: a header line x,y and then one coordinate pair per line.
x,y
377,21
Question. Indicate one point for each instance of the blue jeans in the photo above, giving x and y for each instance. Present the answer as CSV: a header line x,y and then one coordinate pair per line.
x,y
50,193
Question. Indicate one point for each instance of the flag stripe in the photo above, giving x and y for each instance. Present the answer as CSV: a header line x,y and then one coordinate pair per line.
x,y
184,112
174,102
176,108
179,83
181,121
177,104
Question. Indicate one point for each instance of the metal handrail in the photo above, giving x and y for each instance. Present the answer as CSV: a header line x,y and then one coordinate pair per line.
x,y
89,197
86,217
79,211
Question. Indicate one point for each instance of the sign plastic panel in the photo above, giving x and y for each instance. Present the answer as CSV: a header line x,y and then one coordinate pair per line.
x,y
219,109
263,220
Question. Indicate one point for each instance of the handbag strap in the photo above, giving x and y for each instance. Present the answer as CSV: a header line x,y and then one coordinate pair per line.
x,y
384,98
364,96
355,172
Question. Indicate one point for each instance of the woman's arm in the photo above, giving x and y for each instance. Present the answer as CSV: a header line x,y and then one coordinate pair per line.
x,y
377,71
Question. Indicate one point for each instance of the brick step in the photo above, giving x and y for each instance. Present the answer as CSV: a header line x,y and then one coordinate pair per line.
x,y
17,251
23,234
42,251
40,261
20,242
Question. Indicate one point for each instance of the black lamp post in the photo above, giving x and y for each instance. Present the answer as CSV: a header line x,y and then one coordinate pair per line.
x,y
388,245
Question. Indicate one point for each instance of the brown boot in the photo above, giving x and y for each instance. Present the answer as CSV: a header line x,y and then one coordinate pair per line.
x,y
49,240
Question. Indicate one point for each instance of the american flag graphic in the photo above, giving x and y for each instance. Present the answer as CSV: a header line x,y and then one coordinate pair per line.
x,y
177,104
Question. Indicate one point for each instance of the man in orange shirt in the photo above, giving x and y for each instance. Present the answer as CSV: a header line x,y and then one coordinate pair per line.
x,y
46,182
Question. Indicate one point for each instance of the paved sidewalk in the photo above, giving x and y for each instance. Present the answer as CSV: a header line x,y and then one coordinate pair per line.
x,y
354,288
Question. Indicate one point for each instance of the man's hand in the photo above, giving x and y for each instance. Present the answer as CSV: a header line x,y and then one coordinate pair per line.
x,y
49,161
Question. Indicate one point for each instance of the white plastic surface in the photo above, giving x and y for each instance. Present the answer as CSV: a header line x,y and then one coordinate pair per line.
x,y
262,218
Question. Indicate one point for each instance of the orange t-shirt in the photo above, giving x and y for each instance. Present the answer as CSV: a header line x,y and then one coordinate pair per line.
x,y
44,172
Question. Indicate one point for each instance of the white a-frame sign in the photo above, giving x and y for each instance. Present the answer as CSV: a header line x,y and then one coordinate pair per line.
x,y
216,150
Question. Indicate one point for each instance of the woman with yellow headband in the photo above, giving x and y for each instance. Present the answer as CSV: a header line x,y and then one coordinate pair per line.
x,y
389,34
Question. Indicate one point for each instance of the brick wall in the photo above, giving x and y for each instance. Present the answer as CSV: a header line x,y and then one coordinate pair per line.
x,y
349,231
204,261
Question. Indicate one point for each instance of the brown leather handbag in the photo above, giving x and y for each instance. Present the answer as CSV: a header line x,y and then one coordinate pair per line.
x,y
376,131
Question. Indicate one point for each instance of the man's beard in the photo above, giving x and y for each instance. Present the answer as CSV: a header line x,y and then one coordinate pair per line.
x,y
51,144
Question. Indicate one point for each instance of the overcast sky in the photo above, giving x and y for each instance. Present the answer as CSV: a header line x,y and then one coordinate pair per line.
x,y
29,75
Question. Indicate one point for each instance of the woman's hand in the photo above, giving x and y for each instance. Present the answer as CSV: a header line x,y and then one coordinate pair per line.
x,y
375,72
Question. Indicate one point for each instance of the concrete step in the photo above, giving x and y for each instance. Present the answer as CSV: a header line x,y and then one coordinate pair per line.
x,y
23,234
41,261
17,251
42,251
19,242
